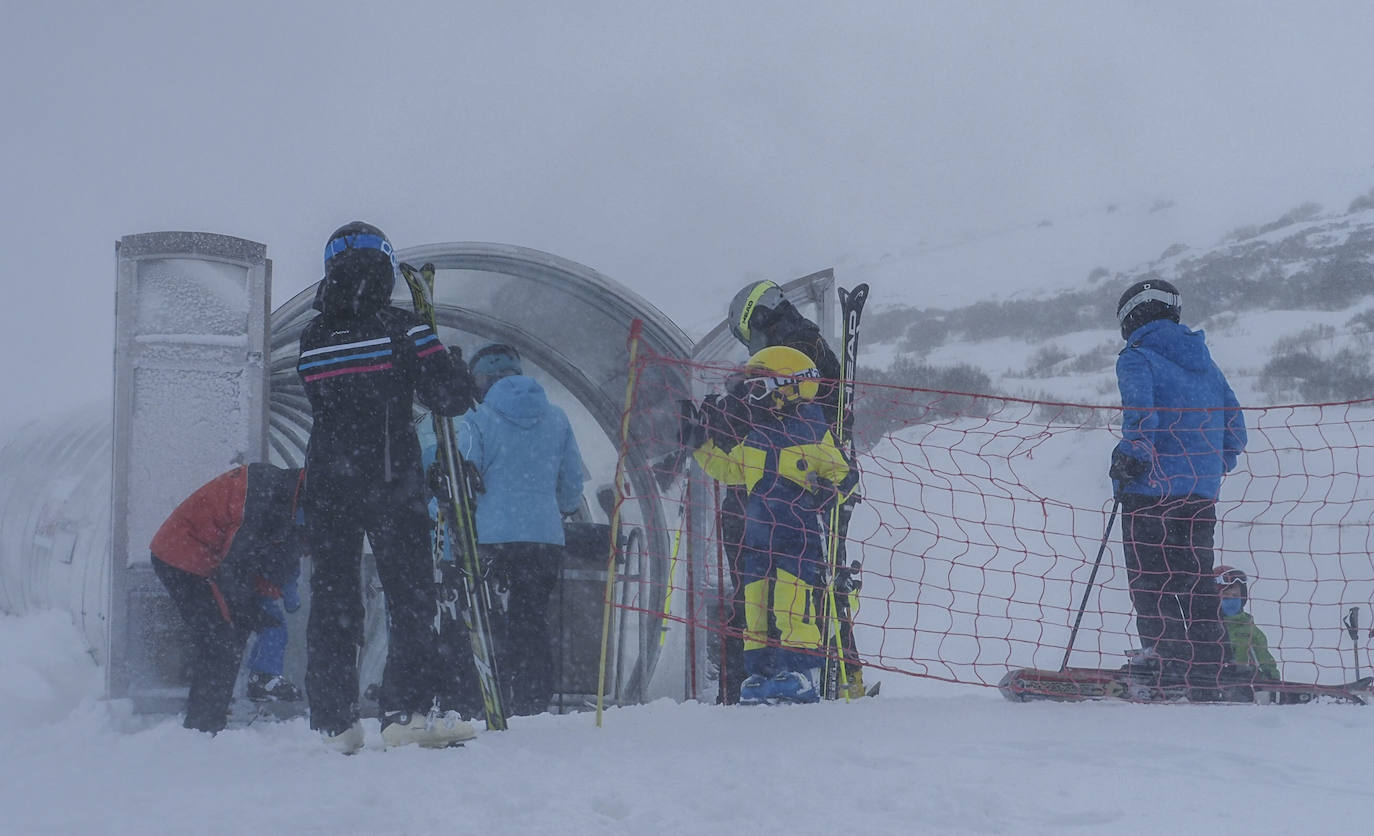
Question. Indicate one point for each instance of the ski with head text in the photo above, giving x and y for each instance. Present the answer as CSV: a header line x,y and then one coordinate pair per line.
x,y
841,667
456,512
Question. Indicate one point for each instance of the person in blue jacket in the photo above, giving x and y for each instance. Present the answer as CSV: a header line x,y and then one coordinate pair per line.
x,y
1182,430
526,457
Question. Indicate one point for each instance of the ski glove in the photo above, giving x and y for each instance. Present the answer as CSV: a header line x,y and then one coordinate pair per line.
x,y
691,431
436,481
1126,467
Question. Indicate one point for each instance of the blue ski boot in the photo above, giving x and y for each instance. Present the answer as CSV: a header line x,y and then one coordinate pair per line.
x,y
754,690
793,686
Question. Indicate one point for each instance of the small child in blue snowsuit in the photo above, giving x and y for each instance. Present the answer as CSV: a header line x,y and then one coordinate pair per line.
x,y
266,681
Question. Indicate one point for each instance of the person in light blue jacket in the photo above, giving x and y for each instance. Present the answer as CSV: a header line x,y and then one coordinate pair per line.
x,y
1182,430
523,449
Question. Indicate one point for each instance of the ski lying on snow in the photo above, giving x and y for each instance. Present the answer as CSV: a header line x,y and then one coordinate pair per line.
x,y
1084,684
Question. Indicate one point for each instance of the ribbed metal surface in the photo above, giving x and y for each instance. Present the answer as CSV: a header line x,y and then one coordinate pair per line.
x,y
55,518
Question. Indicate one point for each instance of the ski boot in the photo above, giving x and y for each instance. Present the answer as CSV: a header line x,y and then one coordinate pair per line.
x,y
431,730
793,686
1139,660
1147,678
266,687
754,690
1238,684
345,742
855,689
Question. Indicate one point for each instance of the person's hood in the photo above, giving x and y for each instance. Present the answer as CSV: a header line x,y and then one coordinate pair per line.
x,y
1175,342
518,399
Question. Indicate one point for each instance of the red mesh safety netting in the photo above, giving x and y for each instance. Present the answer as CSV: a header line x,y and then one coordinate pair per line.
x,y
981,518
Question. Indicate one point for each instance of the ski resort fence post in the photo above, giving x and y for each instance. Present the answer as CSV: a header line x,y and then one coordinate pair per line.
x,y
1092,579
632,379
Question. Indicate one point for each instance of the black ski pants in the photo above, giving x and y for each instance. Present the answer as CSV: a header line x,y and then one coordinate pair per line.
x,y
396,522
216,646
1168,544
527,572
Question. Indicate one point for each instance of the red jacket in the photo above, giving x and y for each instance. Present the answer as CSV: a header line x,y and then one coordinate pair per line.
x,y
238,528
197,536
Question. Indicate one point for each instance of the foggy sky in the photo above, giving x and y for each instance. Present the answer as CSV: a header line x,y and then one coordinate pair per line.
x,y
678,148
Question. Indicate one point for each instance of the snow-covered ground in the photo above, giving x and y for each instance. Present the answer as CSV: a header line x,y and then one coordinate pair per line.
x,y
922,758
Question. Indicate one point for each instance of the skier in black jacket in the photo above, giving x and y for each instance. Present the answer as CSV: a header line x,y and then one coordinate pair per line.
x,y
362,362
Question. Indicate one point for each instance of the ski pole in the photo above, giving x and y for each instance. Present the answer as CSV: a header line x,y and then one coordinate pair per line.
x,y
1352,626
1092,578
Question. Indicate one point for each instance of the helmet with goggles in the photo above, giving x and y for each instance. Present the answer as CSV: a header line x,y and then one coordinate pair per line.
x,y
784,374
1146,301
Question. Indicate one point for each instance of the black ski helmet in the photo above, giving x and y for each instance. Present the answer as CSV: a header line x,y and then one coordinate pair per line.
x,y
1227,576
753,310
1145,302
359,271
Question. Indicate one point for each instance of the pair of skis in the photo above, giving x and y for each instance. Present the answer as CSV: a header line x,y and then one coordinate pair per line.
x,y
841,657
456,510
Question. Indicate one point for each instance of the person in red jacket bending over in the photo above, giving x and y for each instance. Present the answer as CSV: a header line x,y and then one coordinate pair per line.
x,y
226,547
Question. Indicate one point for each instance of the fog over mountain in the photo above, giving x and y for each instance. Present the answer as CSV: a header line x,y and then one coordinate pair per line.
x,y
680,150
1300,287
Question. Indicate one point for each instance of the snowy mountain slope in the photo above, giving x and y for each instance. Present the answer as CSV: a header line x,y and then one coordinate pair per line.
x,y
1039,257
1293,293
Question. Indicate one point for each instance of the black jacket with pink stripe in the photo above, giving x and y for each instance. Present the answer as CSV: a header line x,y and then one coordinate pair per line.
x,y
362,377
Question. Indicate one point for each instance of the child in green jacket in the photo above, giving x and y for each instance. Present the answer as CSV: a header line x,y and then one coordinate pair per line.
x,y
1249,646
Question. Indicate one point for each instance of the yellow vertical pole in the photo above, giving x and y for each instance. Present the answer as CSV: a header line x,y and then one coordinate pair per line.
x,y
632,378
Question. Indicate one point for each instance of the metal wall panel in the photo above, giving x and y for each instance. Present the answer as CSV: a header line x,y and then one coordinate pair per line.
x,y
190,401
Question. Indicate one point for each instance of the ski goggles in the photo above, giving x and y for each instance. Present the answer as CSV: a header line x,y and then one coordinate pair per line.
x,y
1231,576
761,387
359,242
1149,294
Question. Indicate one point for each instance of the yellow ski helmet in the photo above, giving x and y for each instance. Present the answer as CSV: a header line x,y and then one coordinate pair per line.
x,y
784,372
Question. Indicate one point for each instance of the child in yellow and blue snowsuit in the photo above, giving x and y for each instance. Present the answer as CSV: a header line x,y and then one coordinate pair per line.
x,y
791,466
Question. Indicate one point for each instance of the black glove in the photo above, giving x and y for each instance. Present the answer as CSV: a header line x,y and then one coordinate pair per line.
x,y
497,573
691,430
474,477
737,385
1126,467
437,481
727,420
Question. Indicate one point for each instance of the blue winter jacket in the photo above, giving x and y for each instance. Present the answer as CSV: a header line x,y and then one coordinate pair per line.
x,y
531,468
1179,413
